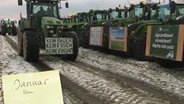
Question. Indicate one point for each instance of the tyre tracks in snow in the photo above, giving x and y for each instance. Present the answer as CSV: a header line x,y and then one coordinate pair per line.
x,y
69,97
127,82
96,86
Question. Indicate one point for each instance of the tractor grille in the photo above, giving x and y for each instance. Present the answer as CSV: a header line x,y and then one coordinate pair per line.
x,y
54,31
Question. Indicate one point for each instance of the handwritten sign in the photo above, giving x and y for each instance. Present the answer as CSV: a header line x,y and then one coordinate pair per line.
x,y
33,88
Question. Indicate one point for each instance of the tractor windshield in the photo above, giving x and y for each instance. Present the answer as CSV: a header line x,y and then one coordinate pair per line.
x,y
136,12
45,9
164,12
180,10
113,14
82,17
97,15
117,14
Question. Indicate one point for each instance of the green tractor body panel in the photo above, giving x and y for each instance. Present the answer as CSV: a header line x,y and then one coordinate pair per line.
x,y
142,28
50,21
24,23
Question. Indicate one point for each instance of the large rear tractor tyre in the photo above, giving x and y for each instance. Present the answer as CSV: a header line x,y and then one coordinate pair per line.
x,y
14,31
84,38
30,46
73,35
81,42
4,32
20,42
105,44
139,47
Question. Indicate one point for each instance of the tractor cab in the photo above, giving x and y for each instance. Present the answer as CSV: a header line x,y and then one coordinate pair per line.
x,y
97,15
83,16
171,18
39,10
172,13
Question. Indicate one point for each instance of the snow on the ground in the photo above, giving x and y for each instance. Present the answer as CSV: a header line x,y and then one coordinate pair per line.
x,y
103,88
11,63
171,80
149,72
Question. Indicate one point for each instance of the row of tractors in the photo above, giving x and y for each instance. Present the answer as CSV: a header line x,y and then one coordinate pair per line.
x,y
145,31
8,26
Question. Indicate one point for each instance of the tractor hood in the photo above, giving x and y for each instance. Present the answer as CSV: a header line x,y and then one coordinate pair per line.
x,y
50,21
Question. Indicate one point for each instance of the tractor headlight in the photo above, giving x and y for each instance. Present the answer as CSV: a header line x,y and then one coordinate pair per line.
x,y
9,26
59,27
59,31
50,27
51,31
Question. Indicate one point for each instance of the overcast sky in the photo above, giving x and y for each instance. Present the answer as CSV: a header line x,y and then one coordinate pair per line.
x,y
10,8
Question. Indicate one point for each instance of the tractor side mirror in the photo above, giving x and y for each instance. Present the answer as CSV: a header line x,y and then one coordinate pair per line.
x,y
117,9
110,10
154,7
19,2
67,5
141,4
131,6
172,6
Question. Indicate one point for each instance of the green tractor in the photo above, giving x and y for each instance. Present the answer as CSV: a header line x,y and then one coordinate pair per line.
x,y
76,22
165,40
96,18
115,37
114,29
42,29
8,26
161,39
137,32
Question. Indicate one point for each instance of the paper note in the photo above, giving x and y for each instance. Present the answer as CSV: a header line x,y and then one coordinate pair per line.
x,y
33,88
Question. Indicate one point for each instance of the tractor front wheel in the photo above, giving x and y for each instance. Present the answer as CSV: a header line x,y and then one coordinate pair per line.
x,y
139,46
14,31
73,35
30,46
3,32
